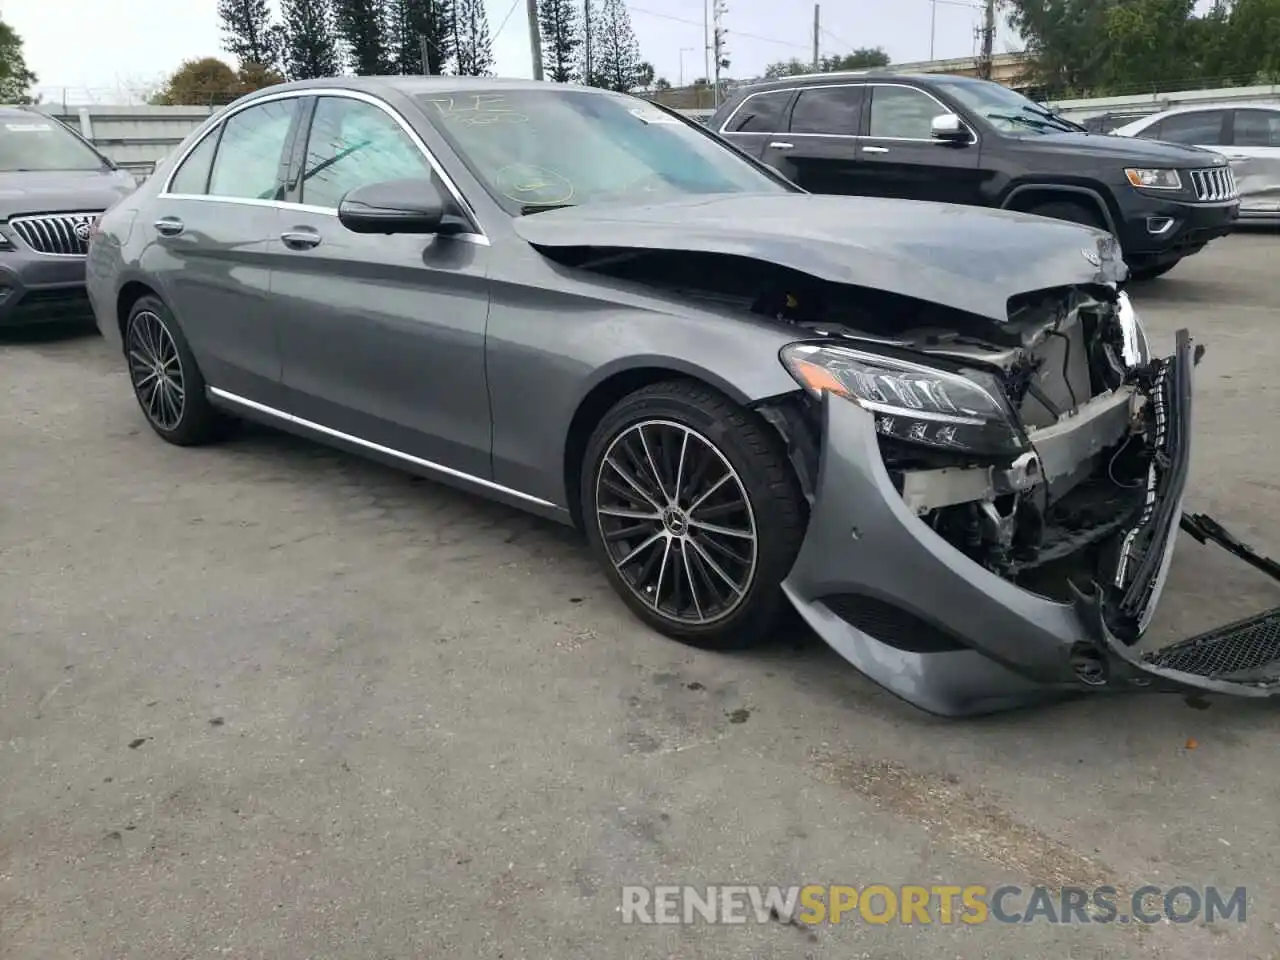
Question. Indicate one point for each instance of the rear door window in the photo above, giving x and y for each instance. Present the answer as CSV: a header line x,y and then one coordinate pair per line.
x,y
832,110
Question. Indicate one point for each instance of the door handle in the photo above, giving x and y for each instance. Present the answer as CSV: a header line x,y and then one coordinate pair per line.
x,y
779,145
169,226
875,149
303,239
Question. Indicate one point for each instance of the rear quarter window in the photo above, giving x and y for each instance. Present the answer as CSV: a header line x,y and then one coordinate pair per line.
x,y
760,113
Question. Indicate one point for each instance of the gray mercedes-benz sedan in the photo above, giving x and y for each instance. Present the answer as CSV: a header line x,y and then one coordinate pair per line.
x,y
937,432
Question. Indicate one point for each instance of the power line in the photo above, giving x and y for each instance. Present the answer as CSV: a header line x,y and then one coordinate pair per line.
x,y
512,10
836,39
736,33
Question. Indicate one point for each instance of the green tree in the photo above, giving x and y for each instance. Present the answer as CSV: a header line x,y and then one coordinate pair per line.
x,y
362,26
615,50
250,33
561,39
1150,44
1066,41
472,46
16,80
1247,47
206,80
410,23
864,58
310,45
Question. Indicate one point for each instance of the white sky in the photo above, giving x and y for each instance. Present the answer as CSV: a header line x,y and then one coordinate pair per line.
x,y
105,50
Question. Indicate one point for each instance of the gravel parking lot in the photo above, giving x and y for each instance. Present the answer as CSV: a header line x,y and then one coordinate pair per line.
x,y
268,700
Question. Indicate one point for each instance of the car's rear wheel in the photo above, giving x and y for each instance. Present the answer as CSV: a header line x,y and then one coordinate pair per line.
x,y
166,378
692,508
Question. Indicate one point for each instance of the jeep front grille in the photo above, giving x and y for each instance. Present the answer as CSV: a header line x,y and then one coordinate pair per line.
x,y
55,234
1214,183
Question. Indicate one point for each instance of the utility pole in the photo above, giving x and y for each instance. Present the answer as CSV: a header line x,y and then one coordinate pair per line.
x,y
817,29
988,40
721,8
586,42
706,39
535,38
933,28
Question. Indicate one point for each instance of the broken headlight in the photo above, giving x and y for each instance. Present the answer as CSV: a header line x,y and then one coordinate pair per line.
x,y
912,402
1137,350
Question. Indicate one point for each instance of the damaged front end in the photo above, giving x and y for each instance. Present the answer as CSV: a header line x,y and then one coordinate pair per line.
x,y
1052,452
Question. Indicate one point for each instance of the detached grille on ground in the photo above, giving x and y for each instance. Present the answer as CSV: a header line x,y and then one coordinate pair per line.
x,y
1248,646
1214,183
56,234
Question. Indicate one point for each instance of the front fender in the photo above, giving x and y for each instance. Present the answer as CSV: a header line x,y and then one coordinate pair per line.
x,y
545,362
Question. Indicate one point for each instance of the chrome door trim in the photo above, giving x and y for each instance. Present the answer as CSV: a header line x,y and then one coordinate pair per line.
x,y
377,447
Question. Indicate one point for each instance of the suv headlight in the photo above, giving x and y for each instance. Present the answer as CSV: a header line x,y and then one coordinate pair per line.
x,y
1154,179
911,402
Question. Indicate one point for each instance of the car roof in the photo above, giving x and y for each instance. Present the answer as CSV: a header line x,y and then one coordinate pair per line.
x,y
878,75
1197,108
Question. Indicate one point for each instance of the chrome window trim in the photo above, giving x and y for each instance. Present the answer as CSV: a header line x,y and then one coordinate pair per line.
x,y
478,236
760,93
430,465
973,136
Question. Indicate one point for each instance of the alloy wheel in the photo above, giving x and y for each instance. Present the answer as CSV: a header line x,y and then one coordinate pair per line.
x,y
155,368
676,522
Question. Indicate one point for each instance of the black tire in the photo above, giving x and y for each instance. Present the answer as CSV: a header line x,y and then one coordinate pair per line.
x,y
712,433
1142,274
166,379
1071,212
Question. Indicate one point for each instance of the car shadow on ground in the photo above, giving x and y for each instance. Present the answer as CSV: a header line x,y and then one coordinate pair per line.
x,y
794,652
48,333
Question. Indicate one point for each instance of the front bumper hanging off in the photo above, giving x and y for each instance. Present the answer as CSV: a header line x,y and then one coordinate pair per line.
x,y
920,618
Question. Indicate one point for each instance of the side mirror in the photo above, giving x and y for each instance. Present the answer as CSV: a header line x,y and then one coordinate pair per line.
x,y
393,206
950,129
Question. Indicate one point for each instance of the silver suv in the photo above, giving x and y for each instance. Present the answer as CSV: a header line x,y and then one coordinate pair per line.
x,y
53,186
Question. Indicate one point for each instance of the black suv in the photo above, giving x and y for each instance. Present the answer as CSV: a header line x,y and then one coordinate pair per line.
x,y
962,140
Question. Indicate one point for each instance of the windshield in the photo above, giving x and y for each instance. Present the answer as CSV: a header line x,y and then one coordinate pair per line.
x,y
42,144
1005,109
536,149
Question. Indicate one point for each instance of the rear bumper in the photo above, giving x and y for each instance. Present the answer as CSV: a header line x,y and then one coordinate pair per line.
x,y
1157,230
37,289
925,621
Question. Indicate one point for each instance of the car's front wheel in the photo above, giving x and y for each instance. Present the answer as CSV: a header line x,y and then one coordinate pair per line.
x,y
694,511
165,376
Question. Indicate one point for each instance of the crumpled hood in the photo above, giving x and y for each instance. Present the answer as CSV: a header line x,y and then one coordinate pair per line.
x,y
62,191
967,258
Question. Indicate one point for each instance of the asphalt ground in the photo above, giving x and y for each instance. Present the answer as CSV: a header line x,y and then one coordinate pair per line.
x,y
269,700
